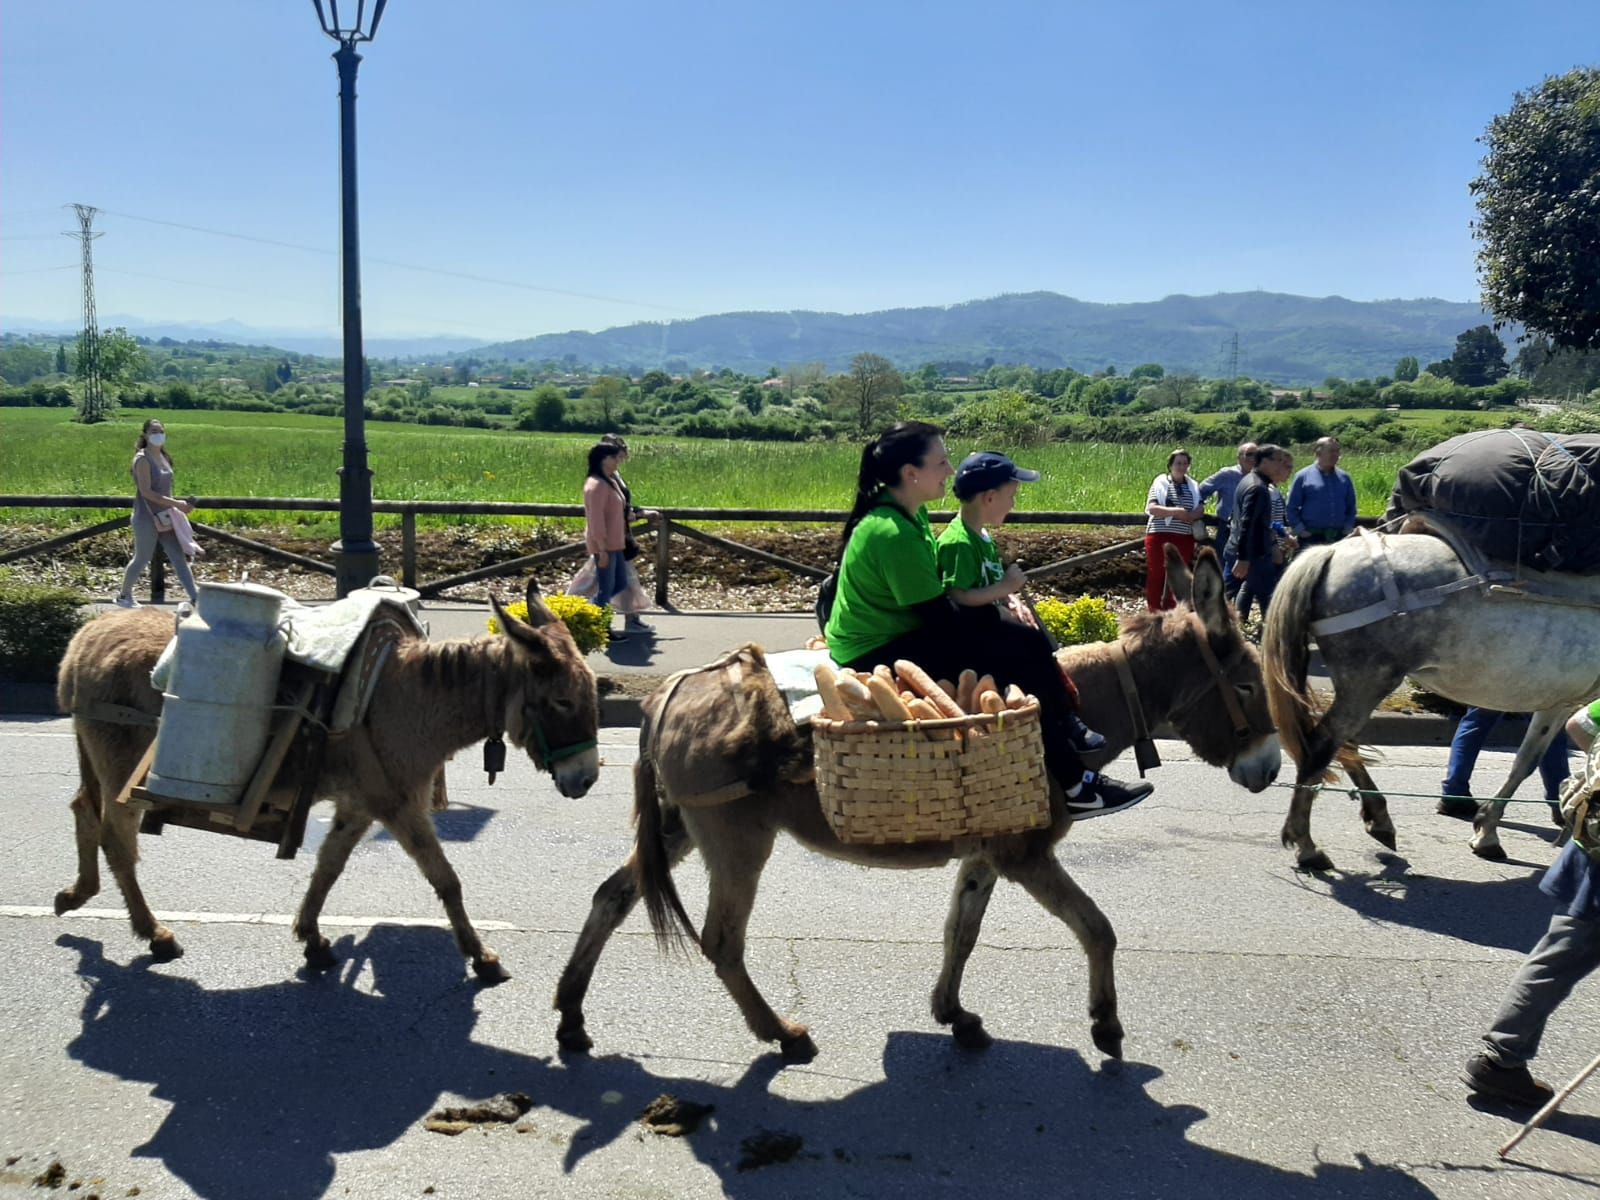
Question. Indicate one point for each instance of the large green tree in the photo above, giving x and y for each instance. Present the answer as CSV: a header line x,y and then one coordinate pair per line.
x,y
1539,210
1406,369
1479,358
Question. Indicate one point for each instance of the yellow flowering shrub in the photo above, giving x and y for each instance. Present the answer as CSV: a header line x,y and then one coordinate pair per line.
x,y
590,624
1074,622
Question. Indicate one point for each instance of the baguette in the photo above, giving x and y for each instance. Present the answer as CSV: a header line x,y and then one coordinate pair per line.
x,y
991,701
884,673
923,709
966,689
985,683
828,688
948,688
1015,697
857,700
922,683
887,699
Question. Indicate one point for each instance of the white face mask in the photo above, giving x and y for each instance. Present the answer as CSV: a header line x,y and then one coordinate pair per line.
x,y
156,439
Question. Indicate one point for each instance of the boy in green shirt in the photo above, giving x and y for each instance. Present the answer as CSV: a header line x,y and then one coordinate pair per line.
x,y
986,483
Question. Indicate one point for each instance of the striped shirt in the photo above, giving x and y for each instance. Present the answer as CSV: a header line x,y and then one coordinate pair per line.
x,y
1168,492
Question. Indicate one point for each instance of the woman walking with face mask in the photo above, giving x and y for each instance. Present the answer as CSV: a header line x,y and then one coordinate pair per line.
x,y
153,508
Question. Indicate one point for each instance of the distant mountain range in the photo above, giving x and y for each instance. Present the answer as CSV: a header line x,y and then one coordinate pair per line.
x,y
301,341
1282,338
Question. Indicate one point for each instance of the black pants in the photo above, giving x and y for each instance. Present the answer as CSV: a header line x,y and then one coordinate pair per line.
x,y
992,644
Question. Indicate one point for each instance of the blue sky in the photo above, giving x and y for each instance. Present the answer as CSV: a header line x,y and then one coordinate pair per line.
x,y
671,159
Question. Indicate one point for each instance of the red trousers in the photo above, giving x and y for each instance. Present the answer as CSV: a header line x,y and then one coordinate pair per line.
x,y
1156,595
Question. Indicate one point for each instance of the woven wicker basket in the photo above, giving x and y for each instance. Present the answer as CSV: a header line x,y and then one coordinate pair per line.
x,y
932,781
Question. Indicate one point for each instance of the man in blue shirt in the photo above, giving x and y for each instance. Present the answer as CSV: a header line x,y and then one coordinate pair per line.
x,y
1223,484
1569,950
1322,500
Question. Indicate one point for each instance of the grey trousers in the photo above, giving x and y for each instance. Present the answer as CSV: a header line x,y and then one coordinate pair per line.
x,y
1569,950
145,536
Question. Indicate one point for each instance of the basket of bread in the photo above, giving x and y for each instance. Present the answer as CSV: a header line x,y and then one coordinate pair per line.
x,y
902,757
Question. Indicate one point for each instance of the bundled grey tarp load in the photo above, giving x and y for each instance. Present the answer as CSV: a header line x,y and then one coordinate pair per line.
x,y
1519,496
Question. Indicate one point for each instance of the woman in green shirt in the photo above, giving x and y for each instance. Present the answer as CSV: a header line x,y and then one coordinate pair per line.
x,y
891,603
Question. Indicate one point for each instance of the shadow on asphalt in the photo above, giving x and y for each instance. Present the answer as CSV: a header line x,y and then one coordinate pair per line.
x,y
639,650
268,1084
1511,914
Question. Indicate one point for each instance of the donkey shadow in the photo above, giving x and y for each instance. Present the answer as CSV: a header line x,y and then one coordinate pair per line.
x,y
1508,914
268,1084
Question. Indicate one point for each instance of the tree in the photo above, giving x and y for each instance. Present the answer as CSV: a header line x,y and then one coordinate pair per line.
x,y
1539,210
1406,369
653,381
545,409
867,390
750,395
608,392
1147,371
61,358
1479,358
120,359
1170,391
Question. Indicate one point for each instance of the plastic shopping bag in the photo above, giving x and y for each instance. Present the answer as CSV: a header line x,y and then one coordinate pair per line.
x,y
584,583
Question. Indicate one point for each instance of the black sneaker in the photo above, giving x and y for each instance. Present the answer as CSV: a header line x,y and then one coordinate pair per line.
x,y
1515,1086
1102,795
1081,738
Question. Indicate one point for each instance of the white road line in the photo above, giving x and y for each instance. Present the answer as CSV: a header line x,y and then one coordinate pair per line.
x,y
219,918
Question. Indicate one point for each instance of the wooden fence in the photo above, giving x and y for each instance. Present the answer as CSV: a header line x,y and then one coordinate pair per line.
x,y
674,524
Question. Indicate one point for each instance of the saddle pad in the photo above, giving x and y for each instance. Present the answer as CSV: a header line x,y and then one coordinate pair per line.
x,y
794,671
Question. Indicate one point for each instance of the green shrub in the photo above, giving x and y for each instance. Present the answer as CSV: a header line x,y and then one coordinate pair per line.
x,y
36,623
1074,622
589,623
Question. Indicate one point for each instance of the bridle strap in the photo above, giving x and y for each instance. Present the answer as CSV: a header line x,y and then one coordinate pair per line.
x,y
1241,724
1130,692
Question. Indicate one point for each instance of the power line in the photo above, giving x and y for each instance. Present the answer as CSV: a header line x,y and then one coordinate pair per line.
x,y
405,266
38,270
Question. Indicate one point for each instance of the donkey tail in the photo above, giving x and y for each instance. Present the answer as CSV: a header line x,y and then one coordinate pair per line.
x,y
1286,649
652,865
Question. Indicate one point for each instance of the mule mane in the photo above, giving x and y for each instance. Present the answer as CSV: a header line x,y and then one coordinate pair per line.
x,y
457,663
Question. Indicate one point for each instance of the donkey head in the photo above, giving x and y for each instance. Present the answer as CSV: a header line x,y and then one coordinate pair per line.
x,y
1221,704
552,705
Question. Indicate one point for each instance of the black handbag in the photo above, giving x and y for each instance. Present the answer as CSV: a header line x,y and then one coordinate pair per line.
x,y
826,591
630,548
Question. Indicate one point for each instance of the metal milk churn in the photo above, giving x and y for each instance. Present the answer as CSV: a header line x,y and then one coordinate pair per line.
x,y
217,710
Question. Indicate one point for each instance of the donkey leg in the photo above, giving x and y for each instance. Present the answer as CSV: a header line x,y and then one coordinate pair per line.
x,y
1297,830
348,829
1047,881
119,833
86,825
1374,804
412,827
733,868
974,885
613,901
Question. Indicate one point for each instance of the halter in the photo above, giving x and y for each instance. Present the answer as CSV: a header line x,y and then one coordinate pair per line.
x,y
1242,730
494,748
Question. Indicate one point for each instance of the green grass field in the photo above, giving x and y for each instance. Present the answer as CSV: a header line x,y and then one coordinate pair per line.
x,y
43,452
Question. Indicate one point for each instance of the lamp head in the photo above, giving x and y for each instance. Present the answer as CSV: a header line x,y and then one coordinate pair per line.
x,y
361,27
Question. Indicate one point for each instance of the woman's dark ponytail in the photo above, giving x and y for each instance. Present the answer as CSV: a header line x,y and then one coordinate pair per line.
x,y
881,460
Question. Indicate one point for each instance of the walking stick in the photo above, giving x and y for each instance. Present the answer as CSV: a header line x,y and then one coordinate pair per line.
x,y
1554,1103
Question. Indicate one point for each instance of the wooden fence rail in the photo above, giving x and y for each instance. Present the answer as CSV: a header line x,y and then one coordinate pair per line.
x,y
673,522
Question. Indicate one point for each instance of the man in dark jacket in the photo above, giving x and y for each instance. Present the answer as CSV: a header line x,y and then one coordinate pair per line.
x,y
1257,528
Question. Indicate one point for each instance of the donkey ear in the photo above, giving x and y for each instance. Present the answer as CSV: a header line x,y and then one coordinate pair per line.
x,y
539,613
1209,599
1178,577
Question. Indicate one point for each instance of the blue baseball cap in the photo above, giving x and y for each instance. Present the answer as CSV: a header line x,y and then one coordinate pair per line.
x,y
986,470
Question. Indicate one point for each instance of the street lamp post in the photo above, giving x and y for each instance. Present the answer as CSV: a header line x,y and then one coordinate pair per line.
x,y
355,553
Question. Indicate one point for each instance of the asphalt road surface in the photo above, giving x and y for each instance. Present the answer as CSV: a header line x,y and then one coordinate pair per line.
x,y
1288,1036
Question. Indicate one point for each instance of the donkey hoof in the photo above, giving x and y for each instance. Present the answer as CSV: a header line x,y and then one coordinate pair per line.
x,y
797,1049
67,900
490,970
1384,837
164,947
1108,1038
1317,862
1494,853
971,1035
320,955
574,1039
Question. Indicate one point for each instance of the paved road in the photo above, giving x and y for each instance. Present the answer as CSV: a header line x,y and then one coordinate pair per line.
x,y
1289,1037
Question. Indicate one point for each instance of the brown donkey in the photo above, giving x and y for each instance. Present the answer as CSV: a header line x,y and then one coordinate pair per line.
x,y
1218,706
431,701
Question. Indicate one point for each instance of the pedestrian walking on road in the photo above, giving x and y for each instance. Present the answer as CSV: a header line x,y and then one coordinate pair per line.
x,y
1322,499
1223,484
1174,508
155,509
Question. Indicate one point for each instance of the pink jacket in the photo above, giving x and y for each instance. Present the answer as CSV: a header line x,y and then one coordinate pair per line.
x,y
606,516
